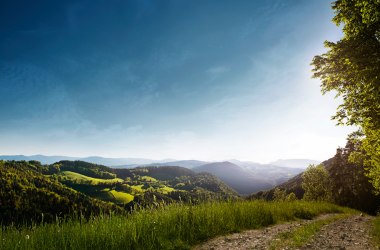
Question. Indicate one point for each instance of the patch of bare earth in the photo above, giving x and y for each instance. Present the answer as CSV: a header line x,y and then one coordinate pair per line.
x,y
254,239
349,233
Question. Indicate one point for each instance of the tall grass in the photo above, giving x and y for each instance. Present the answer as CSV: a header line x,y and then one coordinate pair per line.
x,y
170,227
376,230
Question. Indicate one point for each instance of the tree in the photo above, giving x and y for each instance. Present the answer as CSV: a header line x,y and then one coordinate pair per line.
x,y
279,195
316,183
350,184
351,67
291,197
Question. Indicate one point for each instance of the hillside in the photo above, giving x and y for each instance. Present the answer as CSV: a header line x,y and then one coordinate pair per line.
x,y
351,187
272,173
140,185
27,195
236,177
30,190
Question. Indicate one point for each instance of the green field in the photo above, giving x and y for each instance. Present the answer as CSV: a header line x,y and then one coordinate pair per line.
x,y
170,227
121,197
165,190
138,188
80,178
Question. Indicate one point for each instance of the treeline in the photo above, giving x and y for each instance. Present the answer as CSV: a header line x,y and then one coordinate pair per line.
x,y
350,184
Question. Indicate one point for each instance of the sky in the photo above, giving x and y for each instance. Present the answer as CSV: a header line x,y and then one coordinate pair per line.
x,y
179,79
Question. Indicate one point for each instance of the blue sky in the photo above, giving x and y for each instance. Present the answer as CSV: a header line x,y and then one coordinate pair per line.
x,y
208,80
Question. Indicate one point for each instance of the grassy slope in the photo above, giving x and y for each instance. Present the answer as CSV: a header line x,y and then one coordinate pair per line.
x,y
171,227
121,197
26,195
82,178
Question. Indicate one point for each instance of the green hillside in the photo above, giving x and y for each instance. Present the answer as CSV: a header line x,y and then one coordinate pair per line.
x,y
27,195
80,178
351,187
38,192
142,184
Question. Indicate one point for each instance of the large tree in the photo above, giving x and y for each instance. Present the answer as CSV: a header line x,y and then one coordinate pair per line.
x,y
351,67
316,183
350,184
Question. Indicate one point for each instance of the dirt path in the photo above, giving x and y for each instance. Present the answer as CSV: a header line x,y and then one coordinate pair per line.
x,y
348,233
254,239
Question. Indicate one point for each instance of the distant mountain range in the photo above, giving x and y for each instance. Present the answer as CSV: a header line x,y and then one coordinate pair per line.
x,y
295,163
131,162
185,163
249,177
113,162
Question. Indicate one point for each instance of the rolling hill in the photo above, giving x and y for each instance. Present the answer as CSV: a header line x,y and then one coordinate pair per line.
x,y
122,186
27,194
29,189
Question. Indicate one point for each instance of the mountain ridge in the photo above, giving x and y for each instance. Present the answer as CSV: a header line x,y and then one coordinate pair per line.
x,y
135,161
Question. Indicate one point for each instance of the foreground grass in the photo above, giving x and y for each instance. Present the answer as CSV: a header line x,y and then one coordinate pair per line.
x,y
302,235
376,230
171,227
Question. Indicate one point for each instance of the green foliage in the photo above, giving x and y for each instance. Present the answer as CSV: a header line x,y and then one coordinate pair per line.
x,y
279,195
28,196
31,191
349,181
68,176
159,181
291,197
351,67
121,197
85,168
317,184
170,227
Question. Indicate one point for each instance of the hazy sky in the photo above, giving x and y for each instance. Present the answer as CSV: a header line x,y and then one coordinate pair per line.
x,y
196,79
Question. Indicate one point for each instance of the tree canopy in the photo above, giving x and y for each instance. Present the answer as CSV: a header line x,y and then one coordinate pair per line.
x,y
316,183
351,67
